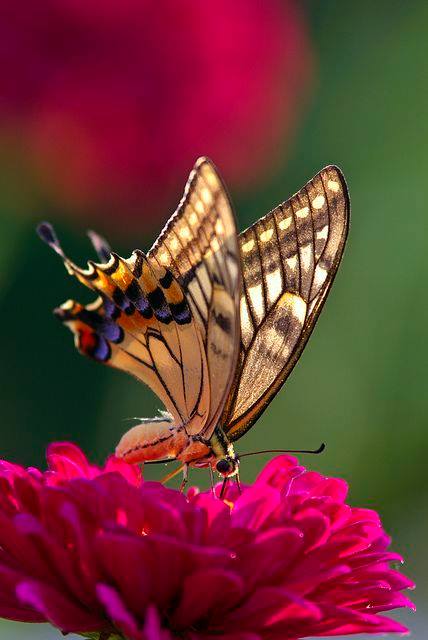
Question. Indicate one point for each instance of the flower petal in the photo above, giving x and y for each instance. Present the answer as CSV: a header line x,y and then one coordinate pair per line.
x,y
117,612
57,608
205,595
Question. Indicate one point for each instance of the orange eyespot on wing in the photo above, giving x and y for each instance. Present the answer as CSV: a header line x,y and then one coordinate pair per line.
x,y
289,261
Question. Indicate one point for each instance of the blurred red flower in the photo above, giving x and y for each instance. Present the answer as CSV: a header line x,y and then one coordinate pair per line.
x,y
100,550
115,100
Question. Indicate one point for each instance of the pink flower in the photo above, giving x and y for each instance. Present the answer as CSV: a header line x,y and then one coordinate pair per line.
x,y
115,100
100,550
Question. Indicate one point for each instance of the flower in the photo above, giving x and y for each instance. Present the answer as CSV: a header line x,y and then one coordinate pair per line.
x,y
100,550
114,101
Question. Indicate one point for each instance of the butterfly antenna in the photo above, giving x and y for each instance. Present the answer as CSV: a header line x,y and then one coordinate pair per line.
x,y
312,451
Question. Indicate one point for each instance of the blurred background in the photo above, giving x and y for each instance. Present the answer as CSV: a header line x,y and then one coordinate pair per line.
x,y
104,107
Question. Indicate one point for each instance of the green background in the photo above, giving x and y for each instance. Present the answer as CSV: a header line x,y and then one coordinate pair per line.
x,y
361,384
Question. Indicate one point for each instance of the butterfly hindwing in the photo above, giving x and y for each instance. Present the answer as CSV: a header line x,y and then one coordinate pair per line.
x,y
141,323
289,260
200,246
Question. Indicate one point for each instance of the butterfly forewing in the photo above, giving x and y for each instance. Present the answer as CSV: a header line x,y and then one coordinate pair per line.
x,y
289,260
200,246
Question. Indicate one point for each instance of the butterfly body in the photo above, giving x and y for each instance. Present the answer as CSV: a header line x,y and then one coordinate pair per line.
x,y
160,439
212,321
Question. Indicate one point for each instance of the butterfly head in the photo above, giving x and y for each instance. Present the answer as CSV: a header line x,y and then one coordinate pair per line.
x,y
228,466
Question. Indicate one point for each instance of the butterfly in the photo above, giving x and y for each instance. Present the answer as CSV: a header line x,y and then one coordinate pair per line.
x,y
212,321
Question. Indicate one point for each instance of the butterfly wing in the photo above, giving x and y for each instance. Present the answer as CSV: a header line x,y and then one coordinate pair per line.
x,y
140,323
200,246
289,261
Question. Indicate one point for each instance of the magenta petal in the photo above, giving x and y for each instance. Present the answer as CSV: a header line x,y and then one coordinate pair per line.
x,y
333,488
221,592
128,562
57,608
337,621
393,601
118,613
269,556
315,528
130,472
216,518
269,605
16,539
279,471
54,562
67,461
152,626
11,606
27,493
255,506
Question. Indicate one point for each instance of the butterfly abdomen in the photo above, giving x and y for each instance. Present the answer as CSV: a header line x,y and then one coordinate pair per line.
x,y
152,439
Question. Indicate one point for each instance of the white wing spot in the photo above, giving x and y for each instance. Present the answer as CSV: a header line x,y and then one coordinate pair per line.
x,y
193,218
215,245
184,233
302,213
318,202
246,322
199,207
164,257
265,236
319,276
323,233
246,248
305,256
175,244
299,308
274,284
333,186
256,297
219,227
206,195
284,224
292,262
211,178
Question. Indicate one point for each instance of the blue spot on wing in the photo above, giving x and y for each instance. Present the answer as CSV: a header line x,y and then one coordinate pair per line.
x,y
139,300
102,350
181,312
159,306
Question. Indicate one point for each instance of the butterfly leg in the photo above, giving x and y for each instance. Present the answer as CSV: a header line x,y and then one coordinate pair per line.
x,y
212,480
223,488
185,477
238,483
172,474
